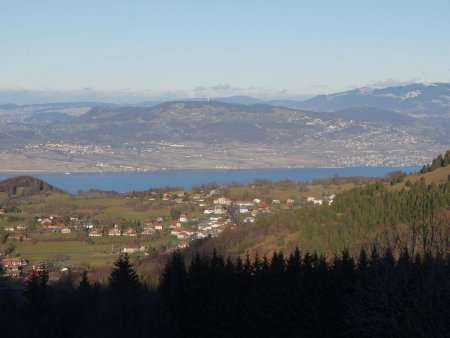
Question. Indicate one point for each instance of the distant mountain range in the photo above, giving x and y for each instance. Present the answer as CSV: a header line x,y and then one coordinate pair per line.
x,y
431,99
349,127
416,99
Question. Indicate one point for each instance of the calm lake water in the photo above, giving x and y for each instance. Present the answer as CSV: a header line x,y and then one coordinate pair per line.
x,y
123,182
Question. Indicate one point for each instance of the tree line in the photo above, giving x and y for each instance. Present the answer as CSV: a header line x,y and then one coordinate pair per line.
x,y
299,295
439,162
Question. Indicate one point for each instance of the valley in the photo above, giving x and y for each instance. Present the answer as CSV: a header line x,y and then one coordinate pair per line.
x,y
200,134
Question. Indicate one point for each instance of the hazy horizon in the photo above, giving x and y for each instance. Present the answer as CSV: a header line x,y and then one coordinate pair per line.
x,y
163,50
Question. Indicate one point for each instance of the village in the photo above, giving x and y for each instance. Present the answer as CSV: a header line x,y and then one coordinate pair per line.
x,y
211,214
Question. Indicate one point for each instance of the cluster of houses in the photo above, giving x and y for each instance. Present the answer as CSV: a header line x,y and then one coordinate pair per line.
x,y
215,218
13,267
218,214
116,231
21,268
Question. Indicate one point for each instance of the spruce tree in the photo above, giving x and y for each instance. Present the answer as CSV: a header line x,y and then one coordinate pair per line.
x,y
123,277
446,158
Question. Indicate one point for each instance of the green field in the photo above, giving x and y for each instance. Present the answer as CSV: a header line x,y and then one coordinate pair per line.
x,y
70,249
72,252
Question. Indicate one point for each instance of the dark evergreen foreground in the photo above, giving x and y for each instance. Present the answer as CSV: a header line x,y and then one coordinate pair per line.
x,y
295,296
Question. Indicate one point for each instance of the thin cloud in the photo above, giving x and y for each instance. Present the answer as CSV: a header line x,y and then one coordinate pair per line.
x,y
225,89
127,95
393,83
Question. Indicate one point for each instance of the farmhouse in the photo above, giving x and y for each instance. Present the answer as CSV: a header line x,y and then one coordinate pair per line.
x,y
148,231
88,225
222,201
183,218
95,233
133,249
115,231
175,225
130,232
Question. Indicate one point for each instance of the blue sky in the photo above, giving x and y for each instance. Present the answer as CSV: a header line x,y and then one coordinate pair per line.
x,y
164,48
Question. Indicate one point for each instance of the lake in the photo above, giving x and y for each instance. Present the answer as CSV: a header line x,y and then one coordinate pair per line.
x,y
138,181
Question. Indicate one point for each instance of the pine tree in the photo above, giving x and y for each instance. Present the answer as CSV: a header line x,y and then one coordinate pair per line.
x,y
123,277
173,290
437,163
446,158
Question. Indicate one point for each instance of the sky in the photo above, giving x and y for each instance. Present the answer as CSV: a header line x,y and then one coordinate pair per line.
x,y
158,49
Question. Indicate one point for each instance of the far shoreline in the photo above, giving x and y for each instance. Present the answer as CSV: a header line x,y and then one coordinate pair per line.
x,y
49,172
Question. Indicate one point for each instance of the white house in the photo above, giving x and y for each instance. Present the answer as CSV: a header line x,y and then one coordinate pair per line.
x,y
245,203
183,218
133,249
219,210
314,200
243,209
222,201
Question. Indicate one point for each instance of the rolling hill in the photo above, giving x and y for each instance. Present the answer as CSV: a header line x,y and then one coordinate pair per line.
x,y
375,115
26,186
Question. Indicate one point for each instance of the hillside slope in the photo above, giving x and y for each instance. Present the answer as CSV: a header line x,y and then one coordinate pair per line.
x,y
26,186
377,213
